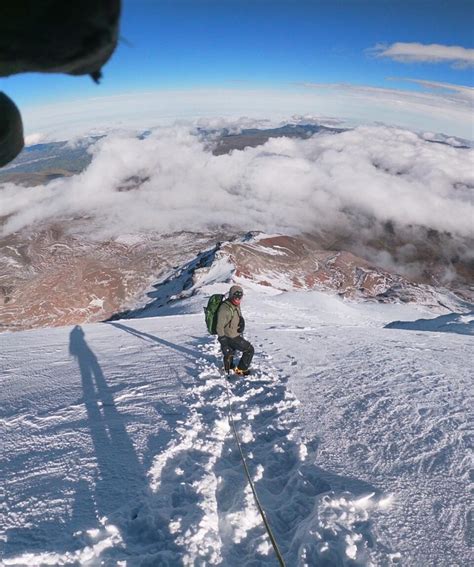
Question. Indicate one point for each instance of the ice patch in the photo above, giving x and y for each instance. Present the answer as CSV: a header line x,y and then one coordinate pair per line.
x,y
129,239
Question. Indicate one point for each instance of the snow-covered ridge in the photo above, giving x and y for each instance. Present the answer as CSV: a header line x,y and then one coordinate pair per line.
x,y
52,278
277,263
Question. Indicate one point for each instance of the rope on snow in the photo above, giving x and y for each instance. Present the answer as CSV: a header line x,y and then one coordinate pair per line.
x,y
247,473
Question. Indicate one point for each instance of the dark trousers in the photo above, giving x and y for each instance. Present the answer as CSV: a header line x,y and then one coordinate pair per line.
x,y
229,346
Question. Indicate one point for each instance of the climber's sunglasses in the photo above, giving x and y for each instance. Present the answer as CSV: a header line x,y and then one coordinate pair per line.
x,y
237,295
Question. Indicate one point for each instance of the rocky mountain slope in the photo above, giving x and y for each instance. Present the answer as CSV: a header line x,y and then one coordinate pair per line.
x,y
281,263
52,278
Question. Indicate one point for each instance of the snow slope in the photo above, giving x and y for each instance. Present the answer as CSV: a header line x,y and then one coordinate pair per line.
x,y
118,450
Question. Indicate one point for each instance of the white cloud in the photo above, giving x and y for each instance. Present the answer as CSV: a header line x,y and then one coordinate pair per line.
x,y
35,138
460,57
449,112
352,182
462,92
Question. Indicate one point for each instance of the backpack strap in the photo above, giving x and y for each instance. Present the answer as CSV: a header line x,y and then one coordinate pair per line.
x,y
231,307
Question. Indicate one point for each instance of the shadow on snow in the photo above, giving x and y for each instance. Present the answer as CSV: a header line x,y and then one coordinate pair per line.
x,y
193,354
300,499
120,479
459,323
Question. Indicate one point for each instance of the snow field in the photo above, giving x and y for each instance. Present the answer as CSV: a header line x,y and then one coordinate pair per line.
x,y
118,449
230,530
393,410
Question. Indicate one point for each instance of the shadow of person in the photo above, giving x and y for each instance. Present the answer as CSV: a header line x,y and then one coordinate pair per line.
x,y
193,354
120,476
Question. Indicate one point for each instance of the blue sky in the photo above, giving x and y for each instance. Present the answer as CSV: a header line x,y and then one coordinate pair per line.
x,y
242,45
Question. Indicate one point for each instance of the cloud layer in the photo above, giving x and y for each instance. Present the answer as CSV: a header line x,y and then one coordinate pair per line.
x,y
384,173
460,57
384,193
350,186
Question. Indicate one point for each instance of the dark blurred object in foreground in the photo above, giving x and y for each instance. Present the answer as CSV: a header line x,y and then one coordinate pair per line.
x,y
11,130
51,36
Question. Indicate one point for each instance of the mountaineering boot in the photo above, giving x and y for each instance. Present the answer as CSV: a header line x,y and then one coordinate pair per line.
x,y
228,363
241,372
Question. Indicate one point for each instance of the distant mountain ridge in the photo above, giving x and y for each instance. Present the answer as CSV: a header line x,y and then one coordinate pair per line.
x,y
56,279
254,137
41,163
291,263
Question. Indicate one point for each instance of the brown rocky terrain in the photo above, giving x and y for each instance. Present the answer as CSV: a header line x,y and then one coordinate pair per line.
x,y
50,278
298,263
289,262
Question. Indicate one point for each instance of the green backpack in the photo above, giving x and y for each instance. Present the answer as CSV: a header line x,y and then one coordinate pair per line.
x,y
210,312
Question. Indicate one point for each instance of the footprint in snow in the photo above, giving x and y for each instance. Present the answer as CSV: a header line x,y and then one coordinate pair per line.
x,y
202,501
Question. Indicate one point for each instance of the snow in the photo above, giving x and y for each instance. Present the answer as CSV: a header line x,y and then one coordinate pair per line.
x,y
129,239
97,302
117,447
